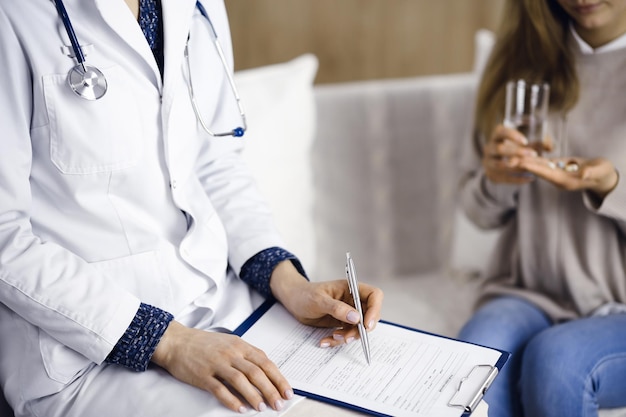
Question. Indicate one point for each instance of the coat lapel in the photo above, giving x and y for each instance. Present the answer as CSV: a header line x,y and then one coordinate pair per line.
x,y
177,20
117,15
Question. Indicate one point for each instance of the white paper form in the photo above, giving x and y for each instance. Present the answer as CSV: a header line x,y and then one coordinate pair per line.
x,y
412,373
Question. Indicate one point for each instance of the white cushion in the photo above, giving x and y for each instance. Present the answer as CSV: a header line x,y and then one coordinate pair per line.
x,y
280,109
483,44
471,246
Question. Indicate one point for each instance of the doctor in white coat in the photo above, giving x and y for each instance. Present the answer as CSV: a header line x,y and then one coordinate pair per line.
x,y
126,230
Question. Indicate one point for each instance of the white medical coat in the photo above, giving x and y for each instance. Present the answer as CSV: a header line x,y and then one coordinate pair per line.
x,y
105,204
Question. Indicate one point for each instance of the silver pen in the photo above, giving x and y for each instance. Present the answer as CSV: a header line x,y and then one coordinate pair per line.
x,y
353,284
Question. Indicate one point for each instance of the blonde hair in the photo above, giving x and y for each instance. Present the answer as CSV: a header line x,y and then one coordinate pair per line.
x,y
532,43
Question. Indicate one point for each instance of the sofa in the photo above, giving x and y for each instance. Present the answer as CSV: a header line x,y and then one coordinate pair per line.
x,y
371,167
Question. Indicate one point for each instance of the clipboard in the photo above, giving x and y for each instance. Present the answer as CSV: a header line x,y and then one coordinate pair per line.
x,y
464,391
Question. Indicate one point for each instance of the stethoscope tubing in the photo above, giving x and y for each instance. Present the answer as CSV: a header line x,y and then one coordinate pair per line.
x,y
220,52
69,28
204,13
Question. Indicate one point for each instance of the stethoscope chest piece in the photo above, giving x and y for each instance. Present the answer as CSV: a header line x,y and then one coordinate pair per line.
x,y
87,82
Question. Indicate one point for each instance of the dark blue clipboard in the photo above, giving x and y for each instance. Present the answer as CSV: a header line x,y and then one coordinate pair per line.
x,y
263,308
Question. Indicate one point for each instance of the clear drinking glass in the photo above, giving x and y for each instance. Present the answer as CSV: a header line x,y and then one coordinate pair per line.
x,y
526,110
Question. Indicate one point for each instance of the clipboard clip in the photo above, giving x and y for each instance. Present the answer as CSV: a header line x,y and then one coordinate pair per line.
x,y
472,387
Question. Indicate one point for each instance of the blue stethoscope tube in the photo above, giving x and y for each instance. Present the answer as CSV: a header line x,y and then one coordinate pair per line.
x,y
206,16
78,51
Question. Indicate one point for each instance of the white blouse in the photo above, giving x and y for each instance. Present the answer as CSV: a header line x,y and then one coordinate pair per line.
x,y
585,48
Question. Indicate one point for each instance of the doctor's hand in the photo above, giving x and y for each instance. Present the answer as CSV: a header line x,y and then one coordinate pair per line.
x,y
502,155
326,304
216,361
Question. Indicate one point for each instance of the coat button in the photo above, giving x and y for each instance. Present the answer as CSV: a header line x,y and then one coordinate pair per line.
x,y
173,184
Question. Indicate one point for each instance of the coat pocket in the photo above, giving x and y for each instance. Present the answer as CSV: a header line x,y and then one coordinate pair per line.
x,y
62,364
88,137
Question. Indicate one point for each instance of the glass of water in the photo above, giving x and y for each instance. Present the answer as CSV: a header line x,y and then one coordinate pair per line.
x,y
526,110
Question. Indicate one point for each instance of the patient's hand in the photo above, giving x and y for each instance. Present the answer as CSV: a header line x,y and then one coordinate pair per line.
x,y
598,175
502,156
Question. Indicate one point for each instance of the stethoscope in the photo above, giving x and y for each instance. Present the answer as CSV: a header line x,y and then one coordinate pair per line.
x,y
85,80
89,82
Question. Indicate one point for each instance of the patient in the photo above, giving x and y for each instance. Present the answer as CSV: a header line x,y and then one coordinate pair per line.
x,y
555,288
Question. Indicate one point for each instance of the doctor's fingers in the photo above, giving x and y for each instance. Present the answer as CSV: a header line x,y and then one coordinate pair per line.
x,y
211,361
340,336
255,378
372,303
345,312
259,383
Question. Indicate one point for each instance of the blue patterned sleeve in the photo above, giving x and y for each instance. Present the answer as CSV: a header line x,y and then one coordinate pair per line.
x,y
257,271
136,347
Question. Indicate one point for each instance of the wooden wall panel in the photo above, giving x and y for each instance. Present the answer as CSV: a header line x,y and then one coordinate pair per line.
x,y
361,39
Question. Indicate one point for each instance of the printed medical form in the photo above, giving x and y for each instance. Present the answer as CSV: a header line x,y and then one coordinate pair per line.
x,y
412,373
